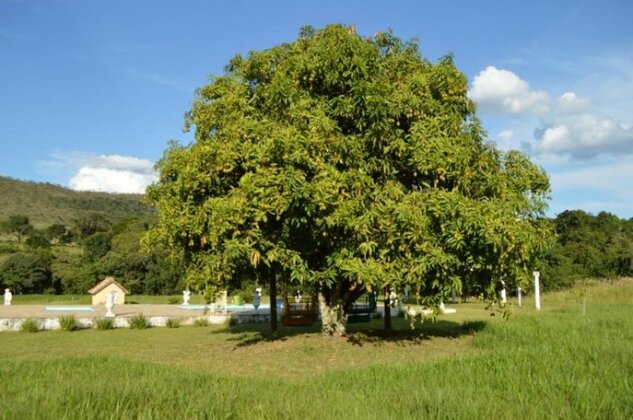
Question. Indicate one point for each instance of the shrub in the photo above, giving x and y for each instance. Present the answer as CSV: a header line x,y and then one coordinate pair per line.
x,y
68,323
139,322
201,322
24,272
247,291
104,323
172,323
37,241
30,325
6,248
96,246
173,300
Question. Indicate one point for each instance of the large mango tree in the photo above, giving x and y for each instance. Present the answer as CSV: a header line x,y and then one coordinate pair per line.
x,y
349,163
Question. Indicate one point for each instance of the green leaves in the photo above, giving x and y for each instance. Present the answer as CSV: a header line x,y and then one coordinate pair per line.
x,y
348,162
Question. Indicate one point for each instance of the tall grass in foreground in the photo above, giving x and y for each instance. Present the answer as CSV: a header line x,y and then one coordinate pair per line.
x,y
553,364
556,365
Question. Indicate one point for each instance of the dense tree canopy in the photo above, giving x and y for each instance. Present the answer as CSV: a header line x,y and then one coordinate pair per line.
x,y
588,246
17,225
27,273
350,163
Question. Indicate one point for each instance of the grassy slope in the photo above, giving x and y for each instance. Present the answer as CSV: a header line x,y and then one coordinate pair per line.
x,y
46,204
552,364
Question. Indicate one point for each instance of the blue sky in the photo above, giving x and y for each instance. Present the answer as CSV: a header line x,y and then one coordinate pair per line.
x,y
91,91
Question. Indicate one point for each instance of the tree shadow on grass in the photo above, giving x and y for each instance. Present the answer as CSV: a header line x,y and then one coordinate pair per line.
x,y
250,334
426,331
245,335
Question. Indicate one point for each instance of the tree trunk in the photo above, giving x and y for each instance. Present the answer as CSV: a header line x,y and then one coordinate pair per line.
x,y
333,317
387,308
273,301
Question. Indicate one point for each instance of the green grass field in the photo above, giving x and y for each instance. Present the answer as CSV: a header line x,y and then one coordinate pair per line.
x,y
553,364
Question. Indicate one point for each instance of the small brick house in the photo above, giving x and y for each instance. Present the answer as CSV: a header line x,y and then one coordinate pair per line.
x,y
100,292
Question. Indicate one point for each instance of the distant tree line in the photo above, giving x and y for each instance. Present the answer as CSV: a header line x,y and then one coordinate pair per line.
x,y
588,246
71,259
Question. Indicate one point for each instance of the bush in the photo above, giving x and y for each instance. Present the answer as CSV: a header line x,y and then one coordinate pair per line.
x,y
246,292
104,323
172,323
68,323
26,272
201,322
37,241
139,322
173,300
6,248
30,325
96,246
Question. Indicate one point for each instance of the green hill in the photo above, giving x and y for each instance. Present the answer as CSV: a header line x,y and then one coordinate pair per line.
x,y
45,204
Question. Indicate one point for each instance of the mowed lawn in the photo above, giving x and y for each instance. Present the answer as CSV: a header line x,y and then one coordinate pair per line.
x,y
555,363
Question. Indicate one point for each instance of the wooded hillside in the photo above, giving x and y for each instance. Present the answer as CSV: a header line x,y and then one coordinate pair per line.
x,y
47,204
55,240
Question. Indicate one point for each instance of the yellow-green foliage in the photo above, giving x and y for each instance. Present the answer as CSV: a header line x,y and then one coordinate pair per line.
x,y
349,162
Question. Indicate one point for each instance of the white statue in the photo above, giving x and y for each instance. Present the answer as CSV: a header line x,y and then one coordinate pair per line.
x,y
257,298
504,296
8,297
393,299
445,310
186,295
109,303
297,296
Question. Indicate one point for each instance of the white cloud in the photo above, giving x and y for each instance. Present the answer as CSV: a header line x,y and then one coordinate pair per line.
x,y
569,103
503,91
555,137
104,173
114,173
584,139
110,180
505,135
584,136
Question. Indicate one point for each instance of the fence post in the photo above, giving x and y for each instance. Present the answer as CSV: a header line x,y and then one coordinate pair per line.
x,y
537,290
